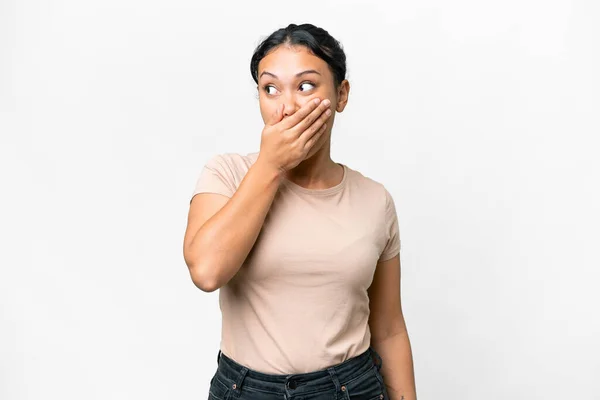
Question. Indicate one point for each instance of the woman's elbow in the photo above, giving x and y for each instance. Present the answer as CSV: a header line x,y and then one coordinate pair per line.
x,y
202,277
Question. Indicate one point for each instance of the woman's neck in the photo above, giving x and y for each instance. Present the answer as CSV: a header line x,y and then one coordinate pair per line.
x,y
316,172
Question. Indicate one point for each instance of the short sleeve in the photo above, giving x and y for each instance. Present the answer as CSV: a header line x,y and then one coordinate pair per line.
x,y
216,177
392,247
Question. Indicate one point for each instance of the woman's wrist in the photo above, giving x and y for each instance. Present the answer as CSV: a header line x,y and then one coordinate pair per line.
x,y
268,170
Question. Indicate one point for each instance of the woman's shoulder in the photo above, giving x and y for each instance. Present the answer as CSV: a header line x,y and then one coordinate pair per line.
x,y
368,184
231,167
234,162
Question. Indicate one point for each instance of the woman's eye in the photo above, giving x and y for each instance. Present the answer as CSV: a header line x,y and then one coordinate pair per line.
x,y
267,87
306,83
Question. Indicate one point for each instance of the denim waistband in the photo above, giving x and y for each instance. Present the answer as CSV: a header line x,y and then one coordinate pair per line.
x,y
325,379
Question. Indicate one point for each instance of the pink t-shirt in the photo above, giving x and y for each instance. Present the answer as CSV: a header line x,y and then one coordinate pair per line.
x,y
299,302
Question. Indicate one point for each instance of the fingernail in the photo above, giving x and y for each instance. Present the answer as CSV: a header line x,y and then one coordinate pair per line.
x,y
317,101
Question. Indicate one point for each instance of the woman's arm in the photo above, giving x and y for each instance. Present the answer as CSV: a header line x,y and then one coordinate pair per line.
x,y
389,336
221,231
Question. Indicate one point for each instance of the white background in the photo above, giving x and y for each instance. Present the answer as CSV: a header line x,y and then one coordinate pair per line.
x,y
481,118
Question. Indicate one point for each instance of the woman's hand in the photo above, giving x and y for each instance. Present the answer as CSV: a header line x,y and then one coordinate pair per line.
x,y
286,143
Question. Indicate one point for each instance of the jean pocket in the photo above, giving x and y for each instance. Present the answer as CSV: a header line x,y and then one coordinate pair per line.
x,y
218,390
364,387
382,384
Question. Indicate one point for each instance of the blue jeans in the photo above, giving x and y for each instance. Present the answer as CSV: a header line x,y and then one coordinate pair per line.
x,y
357,378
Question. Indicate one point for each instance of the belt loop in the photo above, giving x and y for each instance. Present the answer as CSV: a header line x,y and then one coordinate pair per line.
x,y
336,382
378,357
218,357
237,391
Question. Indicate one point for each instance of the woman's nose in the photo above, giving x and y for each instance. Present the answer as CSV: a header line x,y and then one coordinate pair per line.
x,y
289,108
291,105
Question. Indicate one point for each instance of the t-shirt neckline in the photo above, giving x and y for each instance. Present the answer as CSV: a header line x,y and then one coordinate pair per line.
x,y
319,192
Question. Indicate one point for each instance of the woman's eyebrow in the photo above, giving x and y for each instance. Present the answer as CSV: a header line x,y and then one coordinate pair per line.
x,y
308,71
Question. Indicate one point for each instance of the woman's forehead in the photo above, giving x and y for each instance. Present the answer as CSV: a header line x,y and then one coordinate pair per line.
x,y
286,62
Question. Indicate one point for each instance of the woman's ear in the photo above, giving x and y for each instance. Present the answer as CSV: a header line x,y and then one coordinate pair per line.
x,y
342,96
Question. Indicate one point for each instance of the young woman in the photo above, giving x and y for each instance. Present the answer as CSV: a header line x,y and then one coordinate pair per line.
x,y
304,250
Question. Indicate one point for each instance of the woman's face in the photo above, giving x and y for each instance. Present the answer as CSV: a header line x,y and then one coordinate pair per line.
x,y
278,83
